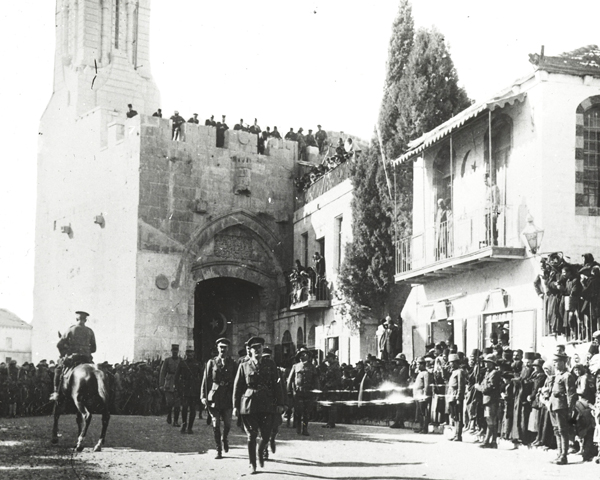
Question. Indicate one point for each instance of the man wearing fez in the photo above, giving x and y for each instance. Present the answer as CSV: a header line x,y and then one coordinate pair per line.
x,y
187,381
257,396
217,393
563,395
455,395
302,380
166,383
80,343
491,387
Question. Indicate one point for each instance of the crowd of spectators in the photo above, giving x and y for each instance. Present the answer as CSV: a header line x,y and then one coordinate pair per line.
x,y
344,151
571,294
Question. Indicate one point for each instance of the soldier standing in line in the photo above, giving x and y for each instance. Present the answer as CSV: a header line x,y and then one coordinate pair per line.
x,y
257,396
422,395
187,381
303,379
166,383
321,137
210,122
455,395
217,393
490,387
562,404
331,385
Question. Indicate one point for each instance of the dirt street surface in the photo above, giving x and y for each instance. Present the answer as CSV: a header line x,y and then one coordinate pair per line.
x,y
148,448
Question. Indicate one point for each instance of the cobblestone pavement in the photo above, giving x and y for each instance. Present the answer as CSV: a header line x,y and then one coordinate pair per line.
x,y
148,448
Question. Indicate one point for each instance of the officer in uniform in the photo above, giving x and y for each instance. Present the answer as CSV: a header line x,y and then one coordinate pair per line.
x,y
455,394
217,393
321,137
194,119
81,343
490,387
187,382
257,396
422,395
166,383
563,396
303,379
277,420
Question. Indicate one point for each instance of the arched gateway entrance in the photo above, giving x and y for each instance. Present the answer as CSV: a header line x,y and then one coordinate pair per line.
x,y
224,307
235,264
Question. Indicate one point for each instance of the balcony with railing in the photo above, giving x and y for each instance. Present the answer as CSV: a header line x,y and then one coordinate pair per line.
x,y
308,291
462,243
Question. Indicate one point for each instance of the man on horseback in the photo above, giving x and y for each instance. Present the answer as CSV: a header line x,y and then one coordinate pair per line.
x,y
78,344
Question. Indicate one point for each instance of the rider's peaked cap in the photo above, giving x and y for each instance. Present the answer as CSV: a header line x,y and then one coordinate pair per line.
x,y
81,312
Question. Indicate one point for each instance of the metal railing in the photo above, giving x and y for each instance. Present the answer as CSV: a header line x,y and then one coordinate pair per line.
x,y
306,288
458,235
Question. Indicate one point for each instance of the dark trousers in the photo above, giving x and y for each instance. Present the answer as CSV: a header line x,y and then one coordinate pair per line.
x,y
188,403
423,414
456,413
255,423
560,423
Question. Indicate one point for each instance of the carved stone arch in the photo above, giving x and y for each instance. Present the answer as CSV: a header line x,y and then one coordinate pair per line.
x,y
268,241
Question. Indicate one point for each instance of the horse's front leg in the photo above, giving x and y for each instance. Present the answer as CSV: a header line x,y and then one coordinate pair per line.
x,y
105,420
57,408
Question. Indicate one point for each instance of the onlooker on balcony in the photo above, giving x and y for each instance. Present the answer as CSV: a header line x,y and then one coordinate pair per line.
x,y
441,230
492,206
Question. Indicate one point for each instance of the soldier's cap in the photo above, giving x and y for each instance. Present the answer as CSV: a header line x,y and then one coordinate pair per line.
x,y
596,334
529,356
195,114
225,341
300,129
560,356
176,112
12,362
301,351
43,361
538,362
267,351
475,352
189,348
174,346
488,350
490,357
318,126
309,130
255,341
81,312
453,357
428,360
400,356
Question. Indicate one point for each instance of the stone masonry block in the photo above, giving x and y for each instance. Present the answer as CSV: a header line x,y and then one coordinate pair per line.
x,y
578,165
578,142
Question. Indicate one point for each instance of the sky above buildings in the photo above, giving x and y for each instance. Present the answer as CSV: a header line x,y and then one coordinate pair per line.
x,y
290,64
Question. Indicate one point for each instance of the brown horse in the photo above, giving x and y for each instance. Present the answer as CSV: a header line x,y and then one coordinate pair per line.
x,y
91,390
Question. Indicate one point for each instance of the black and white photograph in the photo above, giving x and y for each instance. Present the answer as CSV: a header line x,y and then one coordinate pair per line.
x,y
312,240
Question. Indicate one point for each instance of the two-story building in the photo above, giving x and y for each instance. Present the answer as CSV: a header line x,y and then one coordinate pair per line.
x,y
15,338
525,161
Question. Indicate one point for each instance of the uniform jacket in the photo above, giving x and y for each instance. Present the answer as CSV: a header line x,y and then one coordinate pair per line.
x,y
455,391
217,385
167,373
423,385
491,386
563,393
302,378
256,388
188,378
81,340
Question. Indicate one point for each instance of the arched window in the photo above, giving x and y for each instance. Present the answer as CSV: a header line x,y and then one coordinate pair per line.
x,y
299,337
587,157
287,346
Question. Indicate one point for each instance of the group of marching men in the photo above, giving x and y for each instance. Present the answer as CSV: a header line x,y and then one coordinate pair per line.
x,y
519,398
254,389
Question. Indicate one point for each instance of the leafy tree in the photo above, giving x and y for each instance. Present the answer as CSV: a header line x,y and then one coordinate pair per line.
x,y
401,43
428,92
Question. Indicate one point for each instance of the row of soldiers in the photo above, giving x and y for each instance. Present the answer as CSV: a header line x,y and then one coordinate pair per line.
x,y
513,396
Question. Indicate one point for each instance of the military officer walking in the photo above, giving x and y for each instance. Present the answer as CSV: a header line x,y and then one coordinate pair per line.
x,y
303,379
217,393
187,382
257,396
562,404
166,383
